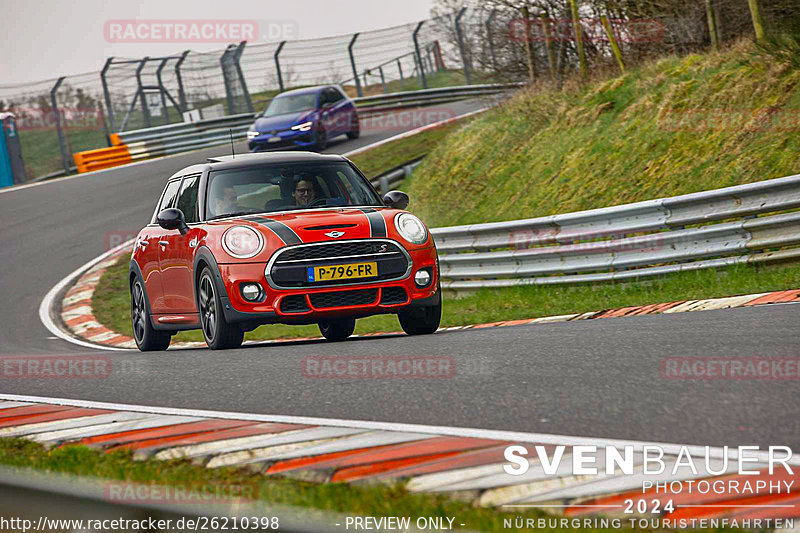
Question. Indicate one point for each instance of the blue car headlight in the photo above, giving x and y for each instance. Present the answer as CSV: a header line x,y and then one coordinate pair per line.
x,y
251,134
305,126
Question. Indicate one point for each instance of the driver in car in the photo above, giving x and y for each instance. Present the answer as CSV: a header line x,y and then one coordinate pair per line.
x,y
303,192
227,203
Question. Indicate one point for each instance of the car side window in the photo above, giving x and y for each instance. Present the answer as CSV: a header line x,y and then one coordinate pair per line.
x,y
168,198
324,98
335,95
187,198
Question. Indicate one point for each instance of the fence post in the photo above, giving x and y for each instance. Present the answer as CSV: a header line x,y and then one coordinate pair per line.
x,y
353,64
489,37
226,78
418,56
383,80
400,68
278,65
62,141
548,43
439,59
145,110
576,23
162,89
758,24
613,41
461,48
237,56
179,79
106,94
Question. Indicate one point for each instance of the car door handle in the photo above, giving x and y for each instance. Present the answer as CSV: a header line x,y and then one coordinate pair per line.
x,y
163,243
143,244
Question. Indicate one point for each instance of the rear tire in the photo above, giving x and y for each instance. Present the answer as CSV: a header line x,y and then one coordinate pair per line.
x,y
421,320
219,335
337,330
148,339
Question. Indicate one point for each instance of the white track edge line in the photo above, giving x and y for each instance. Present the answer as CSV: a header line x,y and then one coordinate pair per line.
x,y
49,300
491,434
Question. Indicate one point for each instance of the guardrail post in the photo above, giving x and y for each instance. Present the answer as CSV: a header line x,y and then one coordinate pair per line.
x,y
461,47
490,38
161,89
384,184
418,56
237,56
179,79
62,141
106,94
278,65
145,110
353,63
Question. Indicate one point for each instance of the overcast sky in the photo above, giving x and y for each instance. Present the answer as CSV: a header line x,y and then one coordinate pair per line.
x,y
44,39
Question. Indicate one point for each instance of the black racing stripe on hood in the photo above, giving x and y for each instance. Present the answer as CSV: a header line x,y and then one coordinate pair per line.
x,y
377,224
284,232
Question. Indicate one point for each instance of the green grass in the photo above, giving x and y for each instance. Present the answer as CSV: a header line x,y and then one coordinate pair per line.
x,y
616,141
112,301
373,500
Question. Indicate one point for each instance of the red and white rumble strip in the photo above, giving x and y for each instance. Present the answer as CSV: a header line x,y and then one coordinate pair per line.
x,y
470,462
77,315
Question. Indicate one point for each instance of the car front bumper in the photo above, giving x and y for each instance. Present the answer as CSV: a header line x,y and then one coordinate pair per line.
x,y
288,139
308,305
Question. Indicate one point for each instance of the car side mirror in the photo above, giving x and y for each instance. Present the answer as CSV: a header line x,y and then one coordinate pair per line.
x,y
172,218
396,199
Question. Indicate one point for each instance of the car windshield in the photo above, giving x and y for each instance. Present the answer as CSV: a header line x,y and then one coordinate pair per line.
x,y
285,187
290,103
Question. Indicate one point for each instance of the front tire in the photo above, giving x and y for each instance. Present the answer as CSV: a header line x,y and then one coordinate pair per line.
x,y
320,139
218,333
355,128
421,320
337,330
148,339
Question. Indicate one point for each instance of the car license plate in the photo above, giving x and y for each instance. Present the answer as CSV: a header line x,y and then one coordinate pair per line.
x,y
274,140
336,272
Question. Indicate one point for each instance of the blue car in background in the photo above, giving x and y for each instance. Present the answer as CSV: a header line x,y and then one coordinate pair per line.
x,y
307,118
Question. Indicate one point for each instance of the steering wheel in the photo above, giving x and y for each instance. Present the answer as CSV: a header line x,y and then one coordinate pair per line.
x,y
319,201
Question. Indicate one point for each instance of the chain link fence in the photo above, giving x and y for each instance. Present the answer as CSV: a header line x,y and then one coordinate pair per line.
x,y
488,41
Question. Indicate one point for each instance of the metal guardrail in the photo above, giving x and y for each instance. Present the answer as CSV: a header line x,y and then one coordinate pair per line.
x,y
627,241
386,180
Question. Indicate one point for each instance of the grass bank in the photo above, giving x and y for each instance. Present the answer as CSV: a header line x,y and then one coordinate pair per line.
x,y
673,126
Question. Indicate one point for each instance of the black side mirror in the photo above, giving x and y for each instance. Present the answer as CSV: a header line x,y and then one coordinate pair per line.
x,y
396,199
172,218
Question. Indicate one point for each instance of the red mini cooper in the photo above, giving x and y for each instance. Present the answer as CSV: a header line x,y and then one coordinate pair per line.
x,y
281,237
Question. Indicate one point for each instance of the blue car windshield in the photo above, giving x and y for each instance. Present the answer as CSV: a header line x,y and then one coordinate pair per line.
x,y
287,187
291,103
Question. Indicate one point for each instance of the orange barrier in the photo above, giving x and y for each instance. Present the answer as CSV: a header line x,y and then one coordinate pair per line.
x,y
102,158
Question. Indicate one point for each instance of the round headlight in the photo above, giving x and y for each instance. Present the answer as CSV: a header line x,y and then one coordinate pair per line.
x,y
242,242
411,228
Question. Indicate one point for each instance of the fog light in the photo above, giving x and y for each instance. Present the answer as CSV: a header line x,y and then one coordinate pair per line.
x,y
422,278
251,291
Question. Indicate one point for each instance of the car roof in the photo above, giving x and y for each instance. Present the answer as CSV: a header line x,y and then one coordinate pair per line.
x,y
303,90
227,162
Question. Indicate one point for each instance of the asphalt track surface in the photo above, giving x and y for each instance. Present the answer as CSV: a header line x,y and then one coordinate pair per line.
x,y
596,378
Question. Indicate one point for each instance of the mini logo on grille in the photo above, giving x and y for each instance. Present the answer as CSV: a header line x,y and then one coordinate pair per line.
x,y
334,234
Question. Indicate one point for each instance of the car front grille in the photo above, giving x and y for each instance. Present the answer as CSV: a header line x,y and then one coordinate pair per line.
x,y
321,300
289,267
